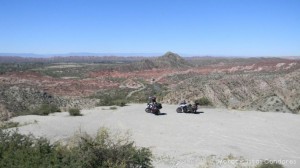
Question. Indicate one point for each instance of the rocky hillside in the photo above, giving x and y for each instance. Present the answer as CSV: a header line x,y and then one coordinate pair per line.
x,y
20,100
255,91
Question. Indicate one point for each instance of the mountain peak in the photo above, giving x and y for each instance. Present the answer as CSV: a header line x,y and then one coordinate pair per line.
x,y
170,54
172,60
168,60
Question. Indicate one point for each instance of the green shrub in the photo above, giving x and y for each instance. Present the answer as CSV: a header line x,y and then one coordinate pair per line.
x,y
46,109
103,151
122,104
109,101
110,97
107,150
268,164
203,101
297,110
113,108
9,124
18,150
74,112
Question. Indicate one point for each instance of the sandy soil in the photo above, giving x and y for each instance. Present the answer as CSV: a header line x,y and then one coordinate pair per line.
x,y
212,138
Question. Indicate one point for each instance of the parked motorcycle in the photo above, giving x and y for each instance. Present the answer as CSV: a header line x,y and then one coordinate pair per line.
x,y
153,108
187,108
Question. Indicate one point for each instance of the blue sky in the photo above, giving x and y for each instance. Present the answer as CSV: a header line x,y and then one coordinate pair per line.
x,y
193,27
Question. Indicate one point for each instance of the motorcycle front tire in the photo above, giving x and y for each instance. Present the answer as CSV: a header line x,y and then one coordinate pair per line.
x,y
148,110
179,110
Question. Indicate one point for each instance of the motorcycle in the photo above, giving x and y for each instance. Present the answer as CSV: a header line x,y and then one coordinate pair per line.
x,y
187,108
153,108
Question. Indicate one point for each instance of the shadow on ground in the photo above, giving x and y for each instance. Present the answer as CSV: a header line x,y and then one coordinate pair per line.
x,y
162,114
197,112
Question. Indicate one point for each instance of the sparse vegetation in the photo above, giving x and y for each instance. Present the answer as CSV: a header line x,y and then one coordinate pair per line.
x,y
155,89
111,97
122,104
46,109
17,67
75,112
297,110
256,83
203,101
12,124
113,108
233,78
8,124
72,69
108,150
109,101
18,150
103,151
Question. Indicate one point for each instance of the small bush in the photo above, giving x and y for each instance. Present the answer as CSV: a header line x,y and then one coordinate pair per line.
x,y
109,150
46,109
108,101
74,112
113,108
203,101
111,97
268,164
122,104
9,124
297,110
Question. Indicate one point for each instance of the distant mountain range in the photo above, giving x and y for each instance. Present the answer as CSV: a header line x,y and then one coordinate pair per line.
x,y
77,54
75,59
34,55
147,58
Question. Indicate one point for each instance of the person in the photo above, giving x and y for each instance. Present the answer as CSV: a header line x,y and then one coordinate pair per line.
x,y
183,106
152,99
183,102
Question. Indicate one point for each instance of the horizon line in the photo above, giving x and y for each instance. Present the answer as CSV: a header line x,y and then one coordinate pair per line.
x,y
126,54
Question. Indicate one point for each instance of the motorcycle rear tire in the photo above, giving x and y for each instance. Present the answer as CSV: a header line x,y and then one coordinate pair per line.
x,y
185,110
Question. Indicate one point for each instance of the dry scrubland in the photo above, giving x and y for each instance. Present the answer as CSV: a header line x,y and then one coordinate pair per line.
x,y
184,140
255,104
260,84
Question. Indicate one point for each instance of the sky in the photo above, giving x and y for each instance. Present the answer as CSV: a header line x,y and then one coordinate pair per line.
x,y
188,27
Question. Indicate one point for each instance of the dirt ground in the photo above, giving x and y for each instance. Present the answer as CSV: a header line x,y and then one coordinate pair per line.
x,y
212,138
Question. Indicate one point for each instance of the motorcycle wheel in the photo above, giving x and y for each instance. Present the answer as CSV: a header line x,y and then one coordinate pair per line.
x,y
185,110
179,110
194,109
148,110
